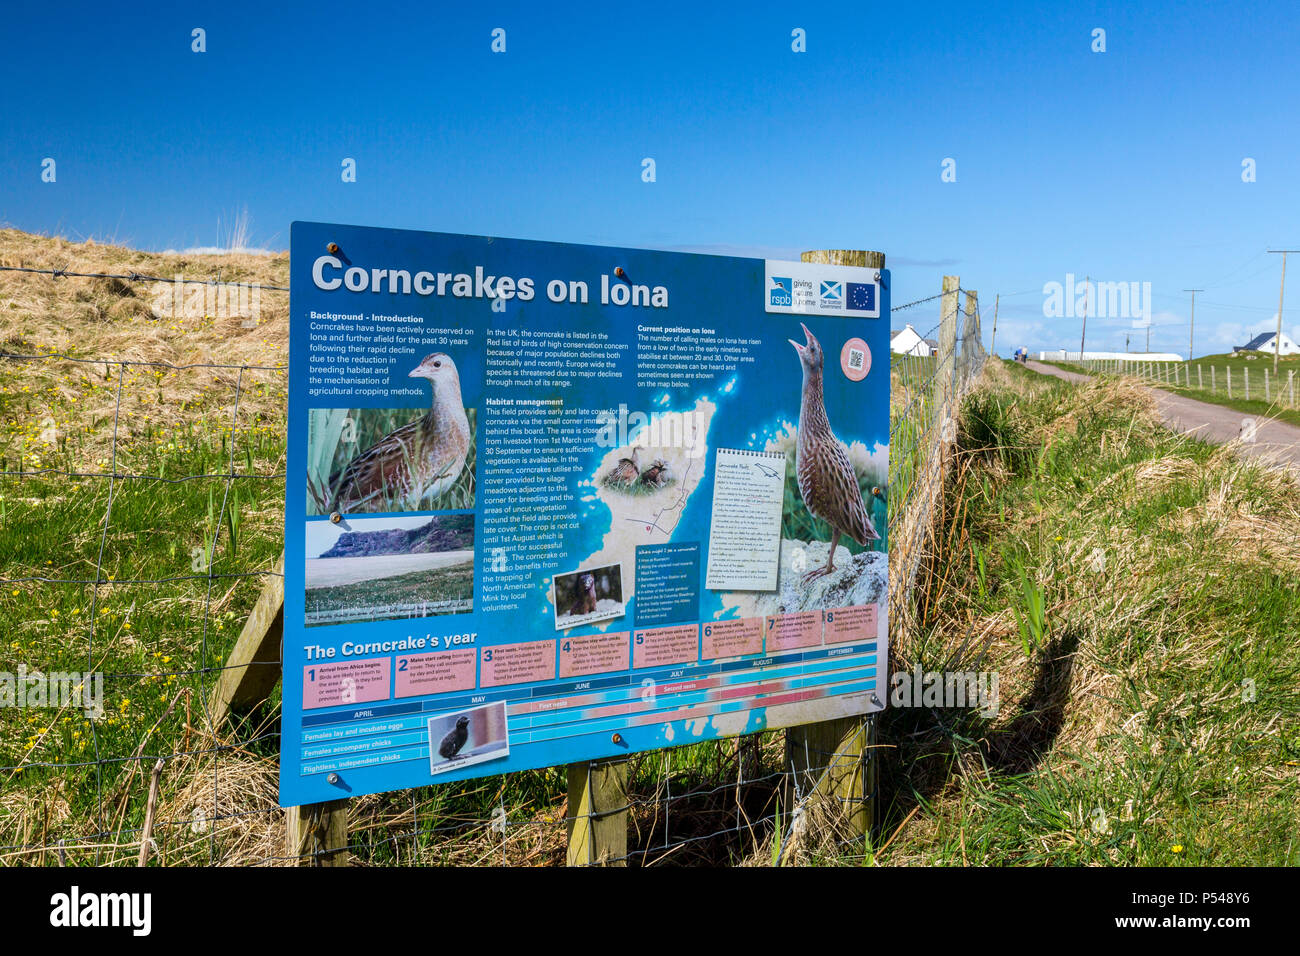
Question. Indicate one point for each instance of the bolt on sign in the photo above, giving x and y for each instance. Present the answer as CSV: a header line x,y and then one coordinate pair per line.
x,y
549,503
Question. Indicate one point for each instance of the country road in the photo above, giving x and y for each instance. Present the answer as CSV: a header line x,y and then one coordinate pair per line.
x,y
1274,441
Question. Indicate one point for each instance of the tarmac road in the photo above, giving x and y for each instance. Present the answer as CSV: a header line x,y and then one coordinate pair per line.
x,y
1274,441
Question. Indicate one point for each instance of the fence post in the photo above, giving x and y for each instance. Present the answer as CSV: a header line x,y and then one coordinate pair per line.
x,y
317,834
1229,371
1267,392
1200,379
598,813
1214,378
946,368
969,336
1290,386
253,667
1246,372
822,752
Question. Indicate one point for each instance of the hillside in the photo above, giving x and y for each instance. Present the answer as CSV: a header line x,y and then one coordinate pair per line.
x,y
442,533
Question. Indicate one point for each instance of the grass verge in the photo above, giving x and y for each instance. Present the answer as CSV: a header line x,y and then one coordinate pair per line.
x,y
1138,594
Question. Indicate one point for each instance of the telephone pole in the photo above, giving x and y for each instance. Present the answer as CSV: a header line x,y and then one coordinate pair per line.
x,y
993,341
1277,342
1191,334
1087,300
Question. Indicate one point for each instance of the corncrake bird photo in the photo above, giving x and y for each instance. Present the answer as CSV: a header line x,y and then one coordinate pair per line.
x,y
413,463
827,481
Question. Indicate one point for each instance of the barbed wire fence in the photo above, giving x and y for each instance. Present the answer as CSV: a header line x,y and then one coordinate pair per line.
x,y
94,533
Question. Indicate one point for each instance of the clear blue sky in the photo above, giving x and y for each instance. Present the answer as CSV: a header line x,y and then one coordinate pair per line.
x,y
1125,165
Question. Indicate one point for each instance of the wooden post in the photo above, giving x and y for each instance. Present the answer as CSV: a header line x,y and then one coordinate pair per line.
x,y
598,813
1246,372
969,336
1290,386
946,368
994,340
1214,378
1200,379
833,761
1229,370
1087,296
317,834
1268,397
253,668
151,806
1281,298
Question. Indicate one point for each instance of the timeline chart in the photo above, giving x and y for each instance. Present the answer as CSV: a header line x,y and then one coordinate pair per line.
x,y
364,736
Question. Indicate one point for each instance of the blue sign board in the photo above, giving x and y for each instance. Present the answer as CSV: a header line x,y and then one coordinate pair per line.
x,y
548,503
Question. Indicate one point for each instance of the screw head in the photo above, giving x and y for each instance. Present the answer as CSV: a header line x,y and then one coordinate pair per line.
x,y
618,271
617,738
335,517
333,248
333,778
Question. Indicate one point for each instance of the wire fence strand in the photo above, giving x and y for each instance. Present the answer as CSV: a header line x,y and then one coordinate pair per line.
x,y
721,801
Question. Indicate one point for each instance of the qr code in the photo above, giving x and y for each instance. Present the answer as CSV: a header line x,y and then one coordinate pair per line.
x,y
855,359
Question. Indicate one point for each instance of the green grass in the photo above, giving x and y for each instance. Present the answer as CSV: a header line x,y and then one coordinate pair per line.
x,y
1124,582
1241,366
165,640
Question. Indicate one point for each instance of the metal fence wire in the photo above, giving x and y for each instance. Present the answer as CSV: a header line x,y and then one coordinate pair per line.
x,y
141,507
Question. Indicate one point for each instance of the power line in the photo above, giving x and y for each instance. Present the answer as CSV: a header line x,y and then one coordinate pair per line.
x,y
1281,297
1191,333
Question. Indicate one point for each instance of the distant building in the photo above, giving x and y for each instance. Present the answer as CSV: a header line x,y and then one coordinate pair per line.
x,y
1266,342
907,341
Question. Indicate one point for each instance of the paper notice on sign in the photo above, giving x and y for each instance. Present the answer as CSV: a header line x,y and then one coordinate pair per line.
x,y
745,533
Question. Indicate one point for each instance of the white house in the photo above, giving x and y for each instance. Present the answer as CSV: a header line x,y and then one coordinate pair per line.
x,y
1266,342
907,341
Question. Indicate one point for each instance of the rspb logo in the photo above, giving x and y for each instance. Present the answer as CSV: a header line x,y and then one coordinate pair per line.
x,y
782,291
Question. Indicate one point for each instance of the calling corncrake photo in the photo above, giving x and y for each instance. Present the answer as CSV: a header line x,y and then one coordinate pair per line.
x,y
809,437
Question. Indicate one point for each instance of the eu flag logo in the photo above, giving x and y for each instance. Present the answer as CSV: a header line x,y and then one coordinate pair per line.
x,y
832,290
861,295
